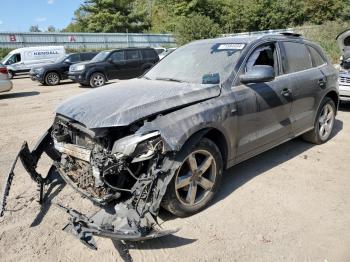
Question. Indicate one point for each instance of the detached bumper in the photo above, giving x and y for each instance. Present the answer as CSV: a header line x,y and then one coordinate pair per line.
x,y
130,220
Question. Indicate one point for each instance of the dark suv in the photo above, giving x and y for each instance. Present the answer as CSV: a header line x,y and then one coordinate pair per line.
x,y
116,64
165,139
52,74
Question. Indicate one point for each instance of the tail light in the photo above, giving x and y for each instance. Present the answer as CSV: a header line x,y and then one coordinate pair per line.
x,y
3,70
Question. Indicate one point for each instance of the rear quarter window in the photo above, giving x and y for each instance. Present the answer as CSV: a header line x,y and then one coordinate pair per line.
x,y
316,57
87,56
295,57
132,54
148,54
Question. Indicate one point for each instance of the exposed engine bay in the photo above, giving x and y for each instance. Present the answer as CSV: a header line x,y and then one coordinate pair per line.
x,y
124,173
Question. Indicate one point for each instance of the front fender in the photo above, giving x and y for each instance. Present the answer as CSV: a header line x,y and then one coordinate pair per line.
x,y
177,127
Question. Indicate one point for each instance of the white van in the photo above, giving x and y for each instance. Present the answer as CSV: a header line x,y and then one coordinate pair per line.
x,y
21,60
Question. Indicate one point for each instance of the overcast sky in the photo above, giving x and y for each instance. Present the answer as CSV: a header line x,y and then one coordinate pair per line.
x,y
19,15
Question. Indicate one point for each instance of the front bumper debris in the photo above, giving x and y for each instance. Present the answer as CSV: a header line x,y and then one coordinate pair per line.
x,y
132,220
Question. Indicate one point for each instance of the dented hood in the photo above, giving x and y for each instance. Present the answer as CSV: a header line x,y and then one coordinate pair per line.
x,y
123,103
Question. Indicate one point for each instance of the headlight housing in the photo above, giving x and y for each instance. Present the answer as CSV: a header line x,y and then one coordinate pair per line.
x,y
79,68
137,145
38,70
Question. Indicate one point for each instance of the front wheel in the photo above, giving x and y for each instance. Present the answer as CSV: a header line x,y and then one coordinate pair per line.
x,y
324,123
97,80
196,179
52,79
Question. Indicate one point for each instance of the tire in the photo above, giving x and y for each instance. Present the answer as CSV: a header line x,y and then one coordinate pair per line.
x,y
97,80
178,198
10,74
324,123
52,79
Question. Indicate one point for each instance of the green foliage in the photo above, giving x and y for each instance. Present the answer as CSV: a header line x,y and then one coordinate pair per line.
x,y
109,16
193,19
195,27
4,52
34,28
325,35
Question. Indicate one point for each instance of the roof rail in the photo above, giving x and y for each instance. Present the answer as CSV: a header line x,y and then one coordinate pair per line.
x,y
291,34
288,31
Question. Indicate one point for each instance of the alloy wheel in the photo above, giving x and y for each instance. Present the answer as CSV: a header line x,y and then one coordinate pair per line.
x,y
195,178
98,80
52,79
326,121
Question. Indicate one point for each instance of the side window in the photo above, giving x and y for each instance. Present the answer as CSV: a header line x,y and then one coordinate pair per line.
x,y
132,55
117,56
15,58
74,58
263,55
148,54
316,57
87,56
295,57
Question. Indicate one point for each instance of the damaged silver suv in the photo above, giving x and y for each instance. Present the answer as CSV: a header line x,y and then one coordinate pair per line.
x,y
164,139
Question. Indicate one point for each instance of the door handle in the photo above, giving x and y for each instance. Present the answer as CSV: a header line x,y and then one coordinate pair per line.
x,y
322,82
286,92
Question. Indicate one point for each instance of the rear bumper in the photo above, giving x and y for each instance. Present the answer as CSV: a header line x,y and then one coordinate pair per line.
x,y
5,85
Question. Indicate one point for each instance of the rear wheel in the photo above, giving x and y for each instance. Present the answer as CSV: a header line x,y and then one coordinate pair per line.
x,y
52,79
324,123
97,80
196,179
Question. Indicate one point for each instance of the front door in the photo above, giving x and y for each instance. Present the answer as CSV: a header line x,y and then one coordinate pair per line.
x,y
115,67
269,123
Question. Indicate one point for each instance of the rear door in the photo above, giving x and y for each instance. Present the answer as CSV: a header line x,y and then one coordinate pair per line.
x,y
306,82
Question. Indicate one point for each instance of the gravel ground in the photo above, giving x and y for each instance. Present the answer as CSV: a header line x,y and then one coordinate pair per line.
x,y
291,203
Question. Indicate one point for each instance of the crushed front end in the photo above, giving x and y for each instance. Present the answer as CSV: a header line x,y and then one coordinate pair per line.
x,y
120,170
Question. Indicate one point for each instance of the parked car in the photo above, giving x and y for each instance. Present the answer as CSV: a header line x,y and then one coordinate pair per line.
x,y
5,83
165,139
21,60
166,52
52,74
343,40
115,64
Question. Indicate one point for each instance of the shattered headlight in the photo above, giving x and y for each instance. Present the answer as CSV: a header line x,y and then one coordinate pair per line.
x,y
140,146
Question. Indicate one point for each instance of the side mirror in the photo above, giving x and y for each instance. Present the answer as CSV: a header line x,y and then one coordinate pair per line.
x,y
258,74
110,60
68,61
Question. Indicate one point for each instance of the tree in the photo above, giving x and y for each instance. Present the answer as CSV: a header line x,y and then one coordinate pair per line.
x,y
109,16
34,28
51,28
195,27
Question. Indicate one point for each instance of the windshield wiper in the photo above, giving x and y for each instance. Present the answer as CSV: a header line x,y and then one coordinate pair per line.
x,y
170,79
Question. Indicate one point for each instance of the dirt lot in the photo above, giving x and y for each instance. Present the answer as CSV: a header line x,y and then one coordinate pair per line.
x,y
289,204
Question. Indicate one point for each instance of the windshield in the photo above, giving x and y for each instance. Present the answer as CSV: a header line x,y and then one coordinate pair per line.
x,y
61,59
100,56
199,63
